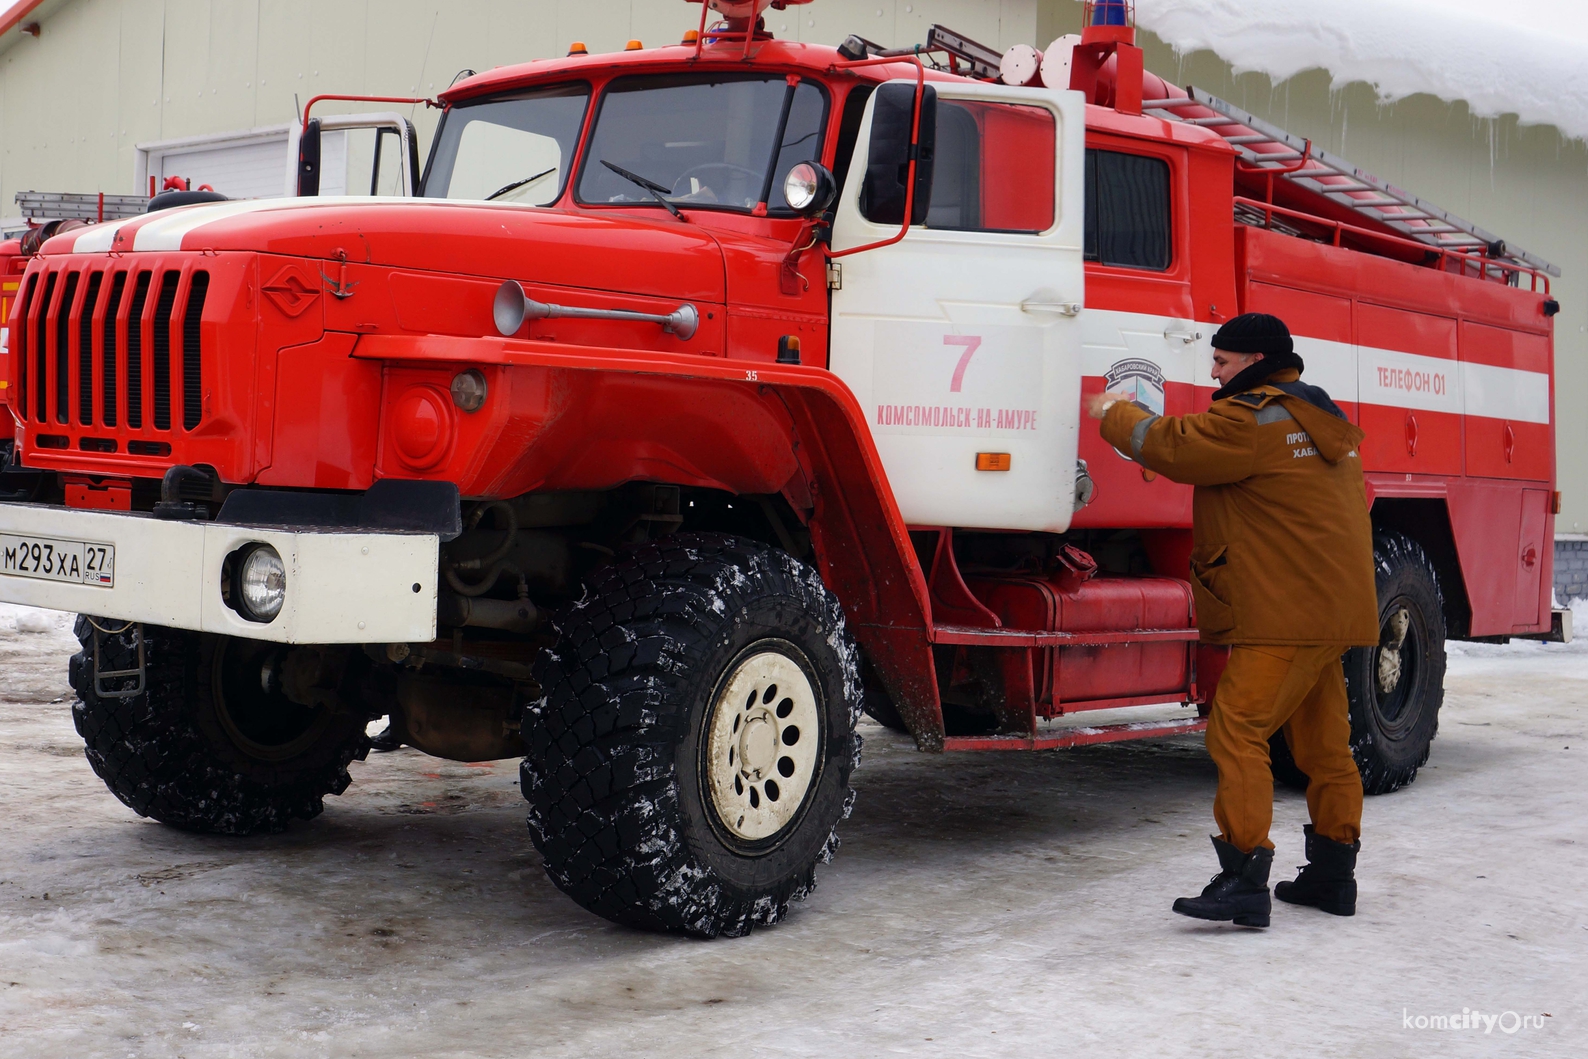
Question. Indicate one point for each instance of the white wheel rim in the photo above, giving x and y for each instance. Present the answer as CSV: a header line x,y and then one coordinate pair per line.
x,y
762,747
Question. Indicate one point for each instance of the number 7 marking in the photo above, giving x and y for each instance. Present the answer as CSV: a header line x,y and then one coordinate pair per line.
x,y
971,344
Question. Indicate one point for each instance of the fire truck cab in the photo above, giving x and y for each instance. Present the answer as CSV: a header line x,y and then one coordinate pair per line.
x,y
705,396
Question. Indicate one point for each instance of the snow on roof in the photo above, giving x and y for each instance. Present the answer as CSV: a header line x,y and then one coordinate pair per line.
x,y
1522,57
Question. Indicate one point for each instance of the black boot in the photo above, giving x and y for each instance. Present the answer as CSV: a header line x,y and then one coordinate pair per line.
x,y
1238,892
1327,880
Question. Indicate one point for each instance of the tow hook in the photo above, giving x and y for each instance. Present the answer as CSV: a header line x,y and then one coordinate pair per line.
x,y
188,493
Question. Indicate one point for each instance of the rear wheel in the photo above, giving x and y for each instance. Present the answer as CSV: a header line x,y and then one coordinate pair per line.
x,y
690,759
1396,688
229,736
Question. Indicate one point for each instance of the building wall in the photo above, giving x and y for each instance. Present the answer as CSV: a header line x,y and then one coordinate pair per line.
x,y
107,75
1571,569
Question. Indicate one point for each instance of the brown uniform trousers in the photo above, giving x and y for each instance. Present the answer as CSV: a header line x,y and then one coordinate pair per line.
x,y
1282,571
1299,689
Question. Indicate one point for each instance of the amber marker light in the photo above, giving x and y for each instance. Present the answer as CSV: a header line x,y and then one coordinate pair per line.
x,y
691,36
633,45
992,461
578,48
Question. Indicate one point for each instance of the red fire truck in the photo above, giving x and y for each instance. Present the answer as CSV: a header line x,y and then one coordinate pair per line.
x,y
704,396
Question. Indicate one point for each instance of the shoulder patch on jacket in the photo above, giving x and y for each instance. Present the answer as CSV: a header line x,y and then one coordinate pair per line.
x,y
1273,413
1254,400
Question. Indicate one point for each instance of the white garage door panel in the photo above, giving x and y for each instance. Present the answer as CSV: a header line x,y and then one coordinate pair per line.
x,y
254,170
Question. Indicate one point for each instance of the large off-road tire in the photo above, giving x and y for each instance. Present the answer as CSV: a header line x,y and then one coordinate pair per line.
x,y
1396,688
205,747
689,761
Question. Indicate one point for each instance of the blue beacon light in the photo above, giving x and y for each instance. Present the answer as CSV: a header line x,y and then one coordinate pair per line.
x,y
1108,13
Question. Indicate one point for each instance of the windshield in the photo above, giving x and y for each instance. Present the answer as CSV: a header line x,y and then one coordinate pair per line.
x,y
699,142
515,149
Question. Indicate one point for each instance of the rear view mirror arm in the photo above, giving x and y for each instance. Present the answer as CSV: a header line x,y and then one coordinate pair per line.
x,y
370,99
915,148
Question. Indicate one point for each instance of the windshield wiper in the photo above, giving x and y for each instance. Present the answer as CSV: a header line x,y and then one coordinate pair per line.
x,y
499,192
656,190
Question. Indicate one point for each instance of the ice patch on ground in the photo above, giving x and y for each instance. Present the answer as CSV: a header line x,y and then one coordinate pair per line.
x,y
1524,57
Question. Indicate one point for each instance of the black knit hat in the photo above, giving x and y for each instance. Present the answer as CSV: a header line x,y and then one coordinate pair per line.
x,y
1254,333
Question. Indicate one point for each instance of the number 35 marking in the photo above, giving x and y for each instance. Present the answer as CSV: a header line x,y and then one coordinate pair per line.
x,y
971,344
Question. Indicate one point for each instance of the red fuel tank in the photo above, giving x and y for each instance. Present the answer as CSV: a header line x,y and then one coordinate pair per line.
x,y
1069,679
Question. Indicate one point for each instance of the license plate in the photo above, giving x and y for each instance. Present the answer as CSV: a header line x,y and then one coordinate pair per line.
x,y
49,559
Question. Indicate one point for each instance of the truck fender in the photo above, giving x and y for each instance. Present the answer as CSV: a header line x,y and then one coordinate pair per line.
x,y
746,427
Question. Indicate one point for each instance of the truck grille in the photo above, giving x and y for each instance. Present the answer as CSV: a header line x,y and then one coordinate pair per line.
x,y
142,364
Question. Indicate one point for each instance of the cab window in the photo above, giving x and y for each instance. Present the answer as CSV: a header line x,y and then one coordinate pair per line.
x,y
700,141
994,168
509,149
1127,210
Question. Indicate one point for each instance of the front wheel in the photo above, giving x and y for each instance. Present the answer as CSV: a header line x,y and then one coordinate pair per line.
x,y
230,736
689,760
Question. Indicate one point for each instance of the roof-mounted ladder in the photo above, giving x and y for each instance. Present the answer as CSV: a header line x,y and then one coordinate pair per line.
x,y
1268,149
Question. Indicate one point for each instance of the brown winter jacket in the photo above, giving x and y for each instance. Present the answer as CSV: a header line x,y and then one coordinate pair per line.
x,y
1282,542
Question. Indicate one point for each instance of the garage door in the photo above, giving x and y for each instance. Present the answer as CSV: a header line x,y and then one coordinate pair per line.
x,y
246,166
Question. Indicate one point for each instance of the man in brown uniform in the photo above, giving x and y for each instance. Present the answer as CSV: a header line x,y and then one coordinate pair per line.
x,y
1282,571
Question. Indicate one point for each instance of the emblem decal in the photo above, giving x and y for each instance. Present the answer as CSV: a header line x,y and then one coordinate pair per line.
x,y
1141,379
289,293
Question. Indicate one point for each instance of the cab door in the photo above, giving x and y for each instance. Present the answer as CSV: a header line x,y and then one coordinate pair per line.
x,y
962,340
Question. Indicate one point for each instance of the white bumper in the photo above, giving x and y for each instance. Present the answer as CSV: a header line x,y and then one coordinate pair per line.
x,y
342,587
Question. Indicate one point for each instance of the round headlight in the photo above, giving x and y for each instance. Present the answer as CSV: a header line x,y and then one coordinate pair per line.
x,y
262,584
799,187
808,188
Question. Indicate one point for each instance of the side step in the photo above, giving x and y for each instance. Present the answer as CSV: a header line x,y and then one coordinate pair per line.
x,y
970,635
1079,736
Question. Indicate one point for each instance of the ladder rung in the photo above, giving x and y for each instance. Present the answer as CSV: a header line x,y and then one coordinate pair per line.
x,y
1250,139
1360,203
1211,121
1279,156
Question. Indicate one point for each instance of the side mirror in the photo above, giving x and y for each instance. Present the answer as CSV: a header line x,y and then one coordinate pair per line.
x,y
309,159
883,193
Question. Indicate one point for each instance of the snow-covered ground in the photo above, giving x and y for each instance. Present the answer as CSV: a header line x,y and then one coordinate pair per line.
x,y
981,906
